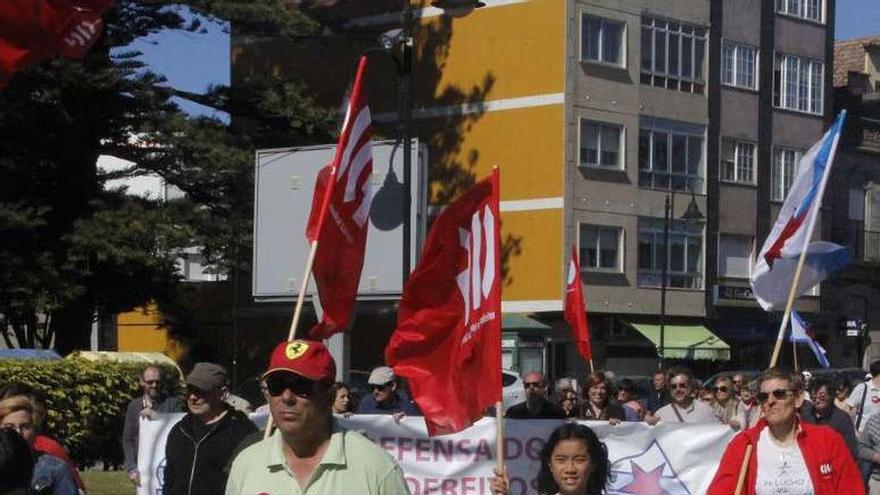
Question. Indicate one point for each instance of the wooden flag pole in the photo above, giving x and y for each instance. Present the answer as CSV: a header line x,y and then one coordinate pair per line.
x,y
499,437
592,369
792,295
794,353
740,480
297,312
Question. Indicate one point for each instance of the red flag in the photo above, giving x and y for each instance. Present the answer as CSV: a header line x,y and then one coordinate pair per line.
x,y
32,31
448,337
575,310
343,191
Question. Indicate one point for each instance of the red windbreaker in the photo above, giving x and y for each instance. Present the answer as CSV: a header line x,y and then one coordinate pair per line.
x,y
831,467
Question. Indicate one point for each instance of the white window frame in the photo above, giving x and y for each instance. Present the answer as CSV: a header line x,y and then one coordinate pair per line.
x,y
738,53
799,9
601,60
693,182
681,33
584,260
751,263
795,84
682,279
741,164
621,140
785,172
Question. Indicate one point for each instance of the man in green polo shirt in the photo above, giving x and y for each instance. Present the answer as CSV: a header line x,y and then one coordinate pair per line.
x,y
309,453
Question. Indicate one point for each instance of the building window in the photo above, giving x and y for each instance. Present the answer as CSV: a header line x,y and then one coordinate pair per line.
x,y
602,40
738,161
672,54
670,155
785,166
805,9
685,254
600,248
797,84
601,144
734,256
738,64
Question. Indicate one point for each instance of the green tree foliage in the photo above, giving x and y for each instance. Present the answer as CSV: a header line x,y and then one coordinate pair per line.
x,y
70,249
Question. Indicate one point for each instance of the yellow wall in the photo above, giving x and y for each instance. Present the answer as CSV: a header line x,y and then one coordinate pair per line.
x,y
140,330
533,268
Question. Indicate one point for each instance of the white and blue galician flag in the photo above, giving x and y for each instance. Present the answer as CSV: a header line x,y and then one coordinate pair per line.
x,y
800,332
777,262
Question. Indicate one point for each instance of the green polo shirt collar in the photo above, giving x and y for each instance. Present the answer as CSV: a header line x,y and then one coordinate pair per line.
x,y
334,456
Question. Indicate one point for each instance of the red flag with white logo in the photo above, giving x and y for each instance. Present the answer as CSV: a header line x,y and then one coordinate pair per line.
x,y
448,336
575,309
32,31
340,215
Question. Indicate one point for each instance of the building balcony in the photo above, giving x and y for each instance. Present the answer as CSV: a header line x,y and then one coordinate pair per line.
x,y
864,243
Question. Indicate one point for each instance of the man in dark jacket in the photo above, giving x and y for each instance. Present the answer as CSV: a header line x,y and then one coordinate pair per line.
x,y
200,446
822,411
536,405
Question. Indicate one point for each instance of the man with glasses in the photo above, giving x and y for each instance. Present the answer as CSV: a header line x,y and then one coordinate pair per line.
x,y
682,408
153,401
738,384
536,405
659,395
786,455
822,411
200,445
385,397
309,453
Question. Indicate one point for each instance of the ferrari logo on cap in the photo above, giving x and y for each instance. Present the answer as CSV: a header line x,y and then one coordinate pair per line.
x,y
296,349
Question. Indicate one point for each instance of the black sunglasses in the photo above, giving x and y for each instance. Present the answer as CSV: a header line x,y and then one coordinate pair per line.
x,y
678,385
533,384
380,387
301,386
722,388
778,394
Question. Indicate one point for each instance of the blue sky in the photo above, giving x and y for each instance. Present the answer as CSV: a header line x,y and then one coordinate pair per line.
x,y
194,61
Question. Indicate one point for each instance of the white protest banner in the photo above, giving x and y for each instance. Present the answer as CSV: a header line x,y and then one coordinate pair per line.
x,y
668,458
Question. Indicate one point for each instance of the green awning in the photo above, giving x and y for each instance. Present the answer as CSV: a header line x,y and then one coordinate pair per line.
x,y
686,341
521,321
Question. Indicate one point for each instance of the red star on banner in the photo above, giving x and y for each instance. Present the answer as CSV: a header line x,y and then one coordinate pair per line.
x,y
645,483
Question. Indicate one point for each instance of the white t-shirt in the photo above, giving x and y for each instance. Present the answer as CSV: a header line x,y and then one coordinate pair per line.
x,y
872,402
781,470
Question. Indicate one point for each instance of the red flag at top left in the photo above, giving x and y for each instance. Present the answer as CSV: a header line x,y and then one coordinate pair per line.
x,y
32,31
340,214
448,337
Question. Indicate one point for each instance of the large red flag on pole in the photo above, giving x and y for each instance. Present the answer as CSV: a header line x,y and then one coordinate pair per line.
x,y
448,337
32,31
343,191
575,309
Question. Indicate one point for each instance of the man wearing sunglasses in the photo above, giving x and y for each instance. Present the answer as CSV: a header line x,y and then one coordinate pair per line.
x,y
153,401
202,443
787,455
682,408
309,453
386,398
536,405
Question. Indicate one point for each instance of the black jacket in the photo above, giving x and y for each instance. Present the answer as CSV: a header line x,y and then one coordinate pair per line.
x,y
197,464
839,420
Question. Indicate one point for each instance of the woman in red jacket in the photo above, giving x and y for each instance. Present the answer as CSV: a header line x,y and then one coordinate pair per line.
x,y
787,455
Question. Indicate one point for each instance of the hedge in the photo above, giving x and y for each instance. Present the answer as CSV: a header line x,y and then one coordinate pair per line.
x,y
85,401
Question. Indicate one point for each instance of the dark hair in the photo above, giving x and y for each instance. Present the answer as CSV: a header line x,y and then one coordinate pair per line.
x,y
875,368
820,382
843,383
596,449
16,462
681,370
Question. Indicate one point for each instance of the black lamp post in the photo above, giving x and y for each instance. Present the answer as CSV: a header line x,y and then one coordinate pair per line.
x,y
692,214
452,8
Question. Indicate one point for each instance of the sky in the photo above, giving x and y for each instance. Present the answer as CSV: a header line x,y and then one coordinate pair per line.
x,y
193,61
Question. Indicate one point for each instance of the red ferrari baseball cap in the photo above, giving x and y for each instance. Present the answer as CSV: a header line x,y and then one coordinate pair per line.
x,y
308,358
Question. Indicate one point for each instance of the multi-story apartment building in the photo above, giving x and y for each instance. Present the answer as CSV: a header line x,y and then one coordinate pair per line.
x,y
850,302
599,113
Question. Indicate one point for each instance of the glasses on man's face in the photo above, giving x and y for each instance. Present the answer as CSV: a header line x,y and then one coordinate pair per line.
x,y
381,386
778,394
533,385
301,386
675,386
722,388
151,382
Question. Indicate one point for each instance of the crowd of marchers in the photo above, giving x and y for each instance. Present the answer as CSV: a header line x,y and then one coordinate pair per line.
x,y
814,435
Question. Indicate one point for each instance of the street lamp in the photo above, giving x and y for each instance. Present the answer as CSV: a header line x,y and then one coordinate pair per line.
x,y
453,8
691,214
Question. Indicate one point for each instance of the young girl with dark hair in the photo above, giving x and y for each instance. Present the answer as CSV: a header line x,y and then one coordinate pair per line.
x,y
573,462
